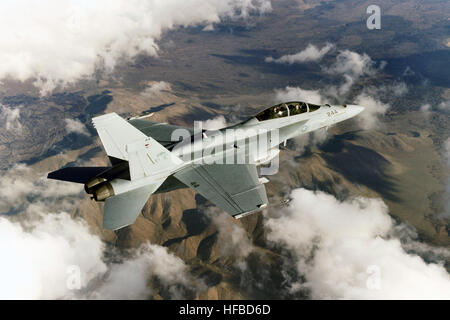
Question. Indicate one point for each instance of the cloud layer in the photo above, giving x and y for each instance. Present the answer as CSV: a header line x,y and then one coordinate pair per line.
x,y
130,279
37,258
57,257
47,254
56,42
346,250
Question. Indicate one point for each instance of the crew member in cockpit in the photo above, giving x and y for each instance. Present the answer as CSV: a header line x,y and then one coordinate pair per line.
x,y
276,112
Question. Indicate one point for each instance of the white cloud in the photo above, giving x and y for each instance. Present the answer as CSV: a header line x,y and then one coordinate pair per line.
x,y
349,64
298,94
24,190
76,126
155,89
426,110
444,105
310,53
369,118
41,260
57,42
218,122
10,117
345,250
399,89
129,279
36,259
39,247
233,239
312,139
353,64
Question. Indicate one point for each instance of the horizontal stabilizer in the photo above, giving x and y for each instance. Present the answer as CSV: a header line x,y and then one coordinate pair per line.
x,y
123,209
76,174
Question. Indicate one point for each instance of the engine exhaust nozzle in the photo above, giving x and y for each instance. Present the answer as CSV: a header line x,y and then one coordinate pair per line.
x,y
89,186
103,191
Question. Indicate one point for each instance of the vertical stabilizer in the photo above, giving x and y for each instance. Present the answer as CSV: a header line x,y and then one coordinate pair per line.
x,y
115,133
144,154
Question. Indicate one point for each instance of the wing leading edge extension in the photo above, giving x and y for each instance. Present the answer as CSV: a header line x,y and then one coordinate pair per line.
x,y
235,188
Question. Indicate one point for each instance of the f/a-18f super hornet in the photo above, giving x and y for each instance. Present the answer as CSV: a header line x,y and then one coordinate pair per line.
x,y
149,157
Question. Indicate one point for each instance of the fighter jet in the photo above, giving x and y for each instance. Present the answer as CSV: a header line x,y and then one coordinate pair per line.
x,y
148,157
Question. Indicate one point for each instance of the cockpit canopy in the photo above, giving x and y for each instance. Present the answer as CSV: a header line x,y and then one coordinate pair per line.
x,y
286,109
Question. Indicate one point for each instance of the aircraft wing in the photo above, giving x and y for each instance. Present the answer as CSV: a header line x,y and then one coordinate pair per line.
x,y
235,188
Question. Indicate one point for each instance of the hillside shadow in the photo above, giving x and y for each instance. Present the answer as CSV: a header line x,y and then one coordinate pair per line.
x,y
359,165
195,221
158,108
